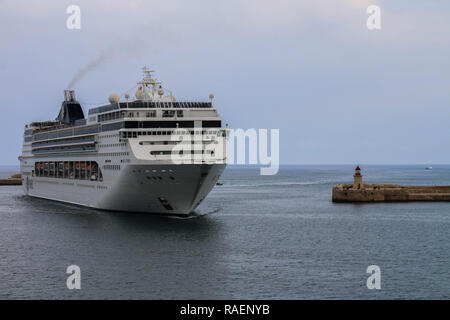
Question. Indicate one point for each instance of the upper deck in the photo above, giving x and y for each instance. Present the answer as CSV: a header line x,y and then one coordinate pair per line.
x,y
151,113
150,103
138,104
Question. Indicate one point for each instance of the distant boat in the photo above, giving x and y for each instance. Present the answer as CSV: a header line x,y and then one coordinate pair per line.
x,y
429,168
219,183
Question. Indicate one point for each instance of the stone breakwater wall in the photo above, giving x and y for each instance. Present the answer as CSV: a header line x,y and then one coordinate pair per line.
x,y
14,180
389,193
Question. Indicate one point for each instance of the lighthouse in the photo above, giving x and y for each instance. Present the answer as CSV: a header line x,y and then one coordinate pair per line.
x,y
357,179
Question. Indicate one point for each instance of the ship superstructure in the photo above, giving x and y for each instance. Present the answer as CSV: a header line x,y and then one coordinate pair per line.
x,y
153,154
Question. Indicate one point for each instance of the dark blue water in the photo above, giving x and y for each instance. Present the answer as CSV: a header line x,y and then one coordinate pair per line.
x,y
257,237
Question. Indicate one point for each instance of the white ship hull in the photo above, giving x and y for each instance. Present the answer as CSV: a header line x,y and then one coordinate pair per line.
x,y
134,188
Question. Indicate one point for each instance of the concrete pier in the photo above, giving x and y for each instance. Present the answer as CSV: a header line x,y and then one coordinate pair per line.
x,y
390,192
360,192
14,180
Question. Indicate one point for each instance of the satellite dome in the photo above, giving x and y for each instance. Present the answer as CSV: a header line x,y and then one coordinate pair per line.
x,y
114,98
127,96
211,96
160,91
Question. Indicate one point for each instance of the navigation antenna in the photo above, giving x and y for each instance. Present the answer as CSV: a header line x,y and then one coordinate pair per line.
x,y
147,81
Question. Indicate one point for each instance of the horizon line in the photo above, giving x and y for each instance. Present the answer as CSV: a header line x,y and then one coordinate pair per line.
x,y
311,164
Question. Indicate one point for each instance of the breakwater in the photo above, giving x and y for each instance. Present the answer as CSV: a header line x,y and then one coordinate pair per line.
x,y
14,180
389,193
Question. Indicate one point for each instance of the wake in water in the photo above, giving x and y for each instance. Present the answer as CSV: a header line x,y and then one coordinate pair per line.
x,y
197,214
50,206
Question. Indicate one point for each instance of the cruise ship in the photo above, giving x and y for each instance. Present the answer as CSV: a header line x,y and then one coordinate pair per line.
x,y
152,154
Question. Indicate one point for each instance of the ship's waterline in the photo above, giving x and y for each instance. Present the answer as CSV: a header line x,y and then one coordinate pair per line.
x,y
163,189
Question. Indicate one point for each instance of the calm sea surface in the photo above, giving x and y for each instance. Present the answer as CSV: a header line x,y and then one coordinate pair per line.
x,y
255,237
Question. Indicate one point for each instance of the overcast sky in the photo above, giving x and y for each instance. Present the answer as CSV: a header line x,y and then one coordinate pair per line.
x,y
338,92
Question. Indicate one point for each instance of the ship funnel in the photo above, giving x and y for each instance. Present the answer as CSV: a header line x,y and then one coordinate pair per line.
x,y
69,95
71,110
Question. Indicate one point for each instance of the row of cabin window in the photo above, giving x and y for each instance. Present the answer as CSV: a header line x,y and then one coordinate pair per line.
x,y
144,143
108,135
66,133
147,105
163,105
114,154
64,141
111,167
181,152
135,134
137,114
81,170
172,124
110,145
